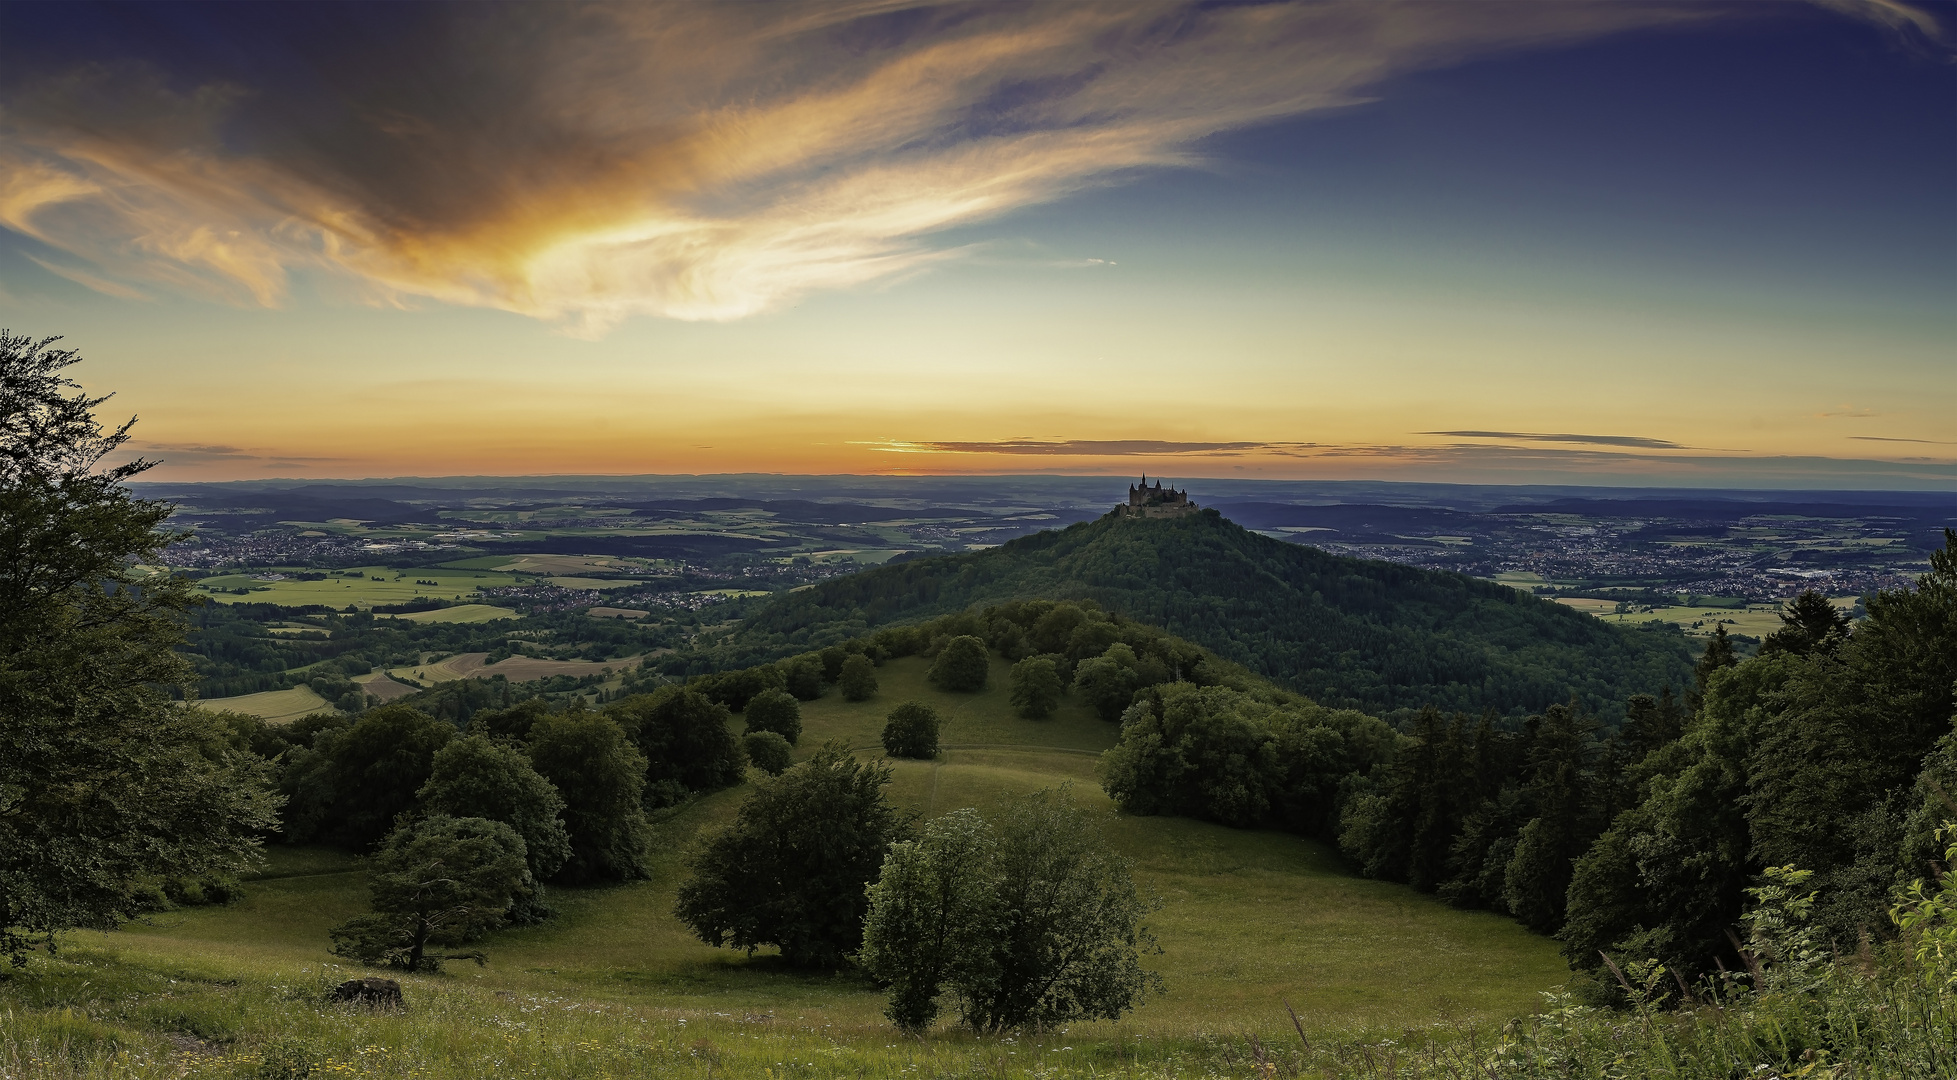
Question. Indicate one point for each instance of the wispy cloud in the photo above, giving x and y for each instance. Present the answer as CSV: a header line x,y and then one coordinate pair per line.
x,y
1086,447
1635,441
1884,438
695,161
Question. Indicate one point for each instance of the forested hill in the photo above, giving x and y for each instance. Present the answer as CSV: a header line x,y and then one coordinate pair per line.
x,y
1349,632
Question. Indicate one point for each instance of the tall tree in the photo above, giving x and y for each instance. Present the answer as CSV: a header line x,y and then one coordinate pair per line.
x,y
104,780
437,883
602,778
475,777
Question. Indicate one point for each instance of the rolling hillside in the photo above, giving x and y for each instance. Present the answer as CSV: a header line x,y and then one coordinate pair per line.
x,y
1349,632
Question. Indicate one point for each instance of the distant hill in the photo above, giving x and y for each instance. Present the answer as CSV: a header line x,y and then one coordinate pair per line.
x,y
1349,632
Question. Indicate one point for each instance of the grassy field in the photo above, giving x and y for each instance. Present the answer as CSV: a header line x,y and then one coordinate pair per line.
x,y
272,704
615,985
461,613
365,587
1754,620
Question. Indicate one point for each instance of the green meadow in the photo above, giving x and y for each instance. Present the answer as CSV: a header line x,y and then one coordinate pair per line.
x,y
615,985
273,705
358,586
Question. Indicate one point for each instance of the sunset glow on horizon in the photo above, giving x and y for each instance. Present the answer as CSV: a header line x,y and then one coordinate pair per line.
x,y
1669,244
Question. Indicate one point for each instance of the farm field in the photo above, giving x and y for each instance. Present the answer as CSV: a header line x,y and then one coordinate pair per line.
x,y
515,668
272,705
340,590
1755,620
461,613
615,985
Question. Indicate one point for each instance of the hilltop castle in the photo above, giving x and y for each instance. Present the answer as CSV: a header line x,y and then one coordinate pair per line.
x,y
1155,502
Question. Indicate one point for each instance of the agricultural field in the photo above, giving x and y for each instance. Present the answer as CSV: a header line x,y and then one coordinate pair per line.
x,y
1249,920
272,705
361,587
1753,620
516,668
461,613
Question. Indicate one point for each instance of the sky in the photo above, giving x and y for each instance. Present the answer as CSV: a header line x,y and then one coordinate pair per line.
x,y
1669,244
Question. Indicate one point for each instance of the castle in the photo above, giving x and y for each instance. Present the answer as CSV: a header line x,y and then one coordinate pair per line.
x,y
1155,502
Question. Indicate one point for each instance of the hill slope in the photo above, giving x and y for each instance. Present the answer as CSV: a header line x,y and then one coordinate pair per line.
x,y
1351,633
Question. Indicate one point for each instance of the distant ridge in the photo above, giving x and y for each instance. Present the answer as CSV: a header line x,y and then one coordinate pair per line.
x,y
1349,632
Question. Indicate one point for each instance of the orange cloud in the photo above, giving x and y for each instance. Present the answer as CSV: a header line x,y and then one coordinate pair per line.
x,y
590,163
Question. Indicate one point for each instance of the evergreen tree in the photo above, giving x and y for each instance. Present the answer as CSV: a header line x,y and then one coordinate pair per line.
x,y
1537,879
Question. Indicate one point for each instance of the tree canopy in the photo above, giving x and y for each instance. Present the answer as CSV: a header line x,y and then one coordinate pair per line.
x,y
104,780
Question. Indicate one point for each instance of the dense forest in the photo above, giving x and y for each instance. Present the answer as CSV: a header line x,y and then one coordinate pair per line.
x,y
1830,753
1349,633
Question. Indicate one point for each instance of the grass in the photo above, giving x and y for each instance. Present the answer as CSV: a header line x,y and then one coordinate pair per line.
x,y
272,704
363,590
461,613
615,985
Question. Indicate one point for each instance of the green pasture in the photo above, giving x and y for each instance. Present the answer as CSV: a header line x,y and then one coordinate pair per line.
x,y
274,705
615,985
366,587
461,613
1754,620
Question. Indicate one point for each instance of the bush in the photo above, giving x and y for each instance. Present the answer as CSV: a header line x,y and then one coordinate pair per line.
x,y
962,665
792,869
1035,687
768,751
1108,682
776,711
858,680
911,731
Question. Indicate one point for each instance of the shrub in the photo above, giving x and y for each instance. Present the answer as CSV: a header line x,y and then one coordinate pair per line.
x,y
792,869
768,751
776,711
911,731
1035,687
858,680
962,665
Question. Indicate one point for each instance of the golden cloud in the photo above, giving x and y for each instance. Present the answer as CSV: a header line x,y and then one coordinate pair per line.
x,y
590,163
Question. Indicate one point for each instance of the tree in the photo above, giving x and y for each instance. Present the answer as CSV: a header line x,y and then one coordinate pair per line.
x,y
859,678
438,882
768,752
512,724
792,869
1537,879
962,665
685,740
354,781
602,779
802,676
1808,624
911,731
1107,682
473,777
104,781
1035,925
776,711
931,915
1035,687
